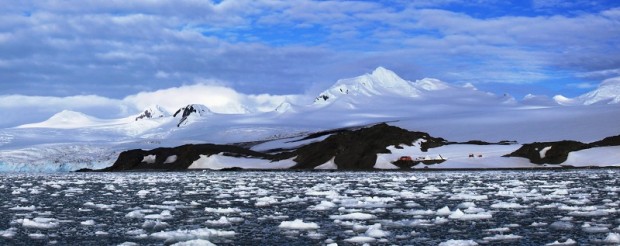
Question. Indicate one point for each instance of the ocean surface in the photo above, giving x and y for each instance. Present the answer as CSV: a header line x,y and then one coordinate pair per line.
x,y
567,207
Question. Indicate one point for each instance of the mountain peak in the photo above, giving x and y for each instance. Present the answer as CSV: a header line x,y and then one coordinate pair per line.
x,y
151,112
378,83
190,111
607,92
64,119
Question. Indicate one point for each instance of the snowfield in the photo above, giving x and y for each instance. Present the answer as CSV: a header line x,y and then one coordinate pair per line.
x,y
71,140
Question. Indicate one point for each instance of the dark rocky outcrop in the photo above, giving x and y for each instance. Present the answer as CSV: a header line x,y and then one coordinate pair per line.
x,y
608,141
555,155
186,155
559,150
358,149
351,150
188,110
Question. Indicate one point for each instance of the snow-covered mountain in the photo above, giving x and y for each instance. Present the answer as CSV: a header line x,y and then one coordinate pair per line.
x,y
154,111
66,119
190,112
608,92
457,113
380,83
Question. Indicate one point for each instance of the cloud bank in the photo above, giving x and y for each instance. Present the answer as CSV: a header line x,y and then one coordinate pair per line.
x,y
119,48
22,109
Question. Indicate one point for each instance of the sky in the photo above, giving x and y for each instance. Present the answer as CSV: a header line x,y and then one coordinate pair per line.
x,y
102,53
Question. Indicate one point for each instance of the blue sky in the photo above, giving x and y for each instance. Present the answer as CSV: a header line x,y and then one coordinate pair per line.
x,y
117,48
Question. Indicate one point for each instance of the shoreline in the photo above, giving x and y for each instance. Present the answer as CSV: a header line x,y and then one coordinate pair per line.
x,y
558,168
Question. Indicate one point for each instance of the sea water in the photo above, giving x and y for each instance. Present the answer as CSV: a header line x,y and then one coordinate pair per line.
x,y
311,208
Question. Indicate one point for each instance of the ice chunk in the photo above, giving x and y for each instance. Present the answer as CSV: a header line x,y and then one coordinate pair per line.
x,y
37,236
128,244
88,223
26,208
586,227
324,205
40,223
154,224
164,215
222,210
453,242
266,201
562,225
509,237
444,211
137,214
353,216
298,225
142,193
376,232
612,237
360,239
558,243
195,242
459,215
222,221
8,233
186,235
507,205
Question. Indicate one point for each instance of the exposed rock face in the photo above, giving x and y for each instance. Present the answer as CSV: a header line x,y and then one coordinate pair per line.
x,y
548,152
557,152
351,150
185,156
359,149
190,110
152,112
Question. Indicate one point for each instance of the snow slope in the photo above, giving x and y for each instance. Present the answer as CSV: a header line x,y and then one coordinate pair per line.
x,y
608,92
457,113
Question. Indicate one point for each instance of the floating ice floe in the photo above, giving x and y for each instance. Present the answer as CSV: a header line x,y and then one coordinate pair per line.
x,y
26,208
195,242
298,225
360,239
566,242
353,216
459,215
507,205
136,214
376,232
586,227
453,242
40,223
562,225
186,235
445,211
509,237
324,205
612,237
37,236
220,222
222,210
87,223
164,215
154,225
8,233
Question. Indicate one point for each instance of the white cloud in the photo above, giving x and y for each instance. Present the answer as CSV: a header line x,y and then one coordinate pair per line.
x,y
219,99
22,109
164,43
583,85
